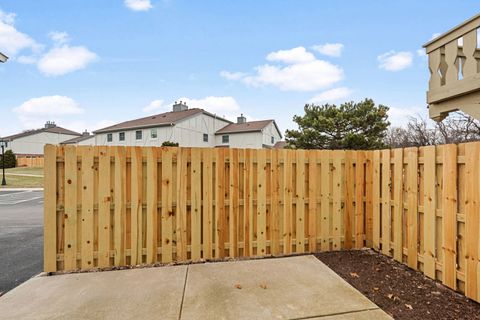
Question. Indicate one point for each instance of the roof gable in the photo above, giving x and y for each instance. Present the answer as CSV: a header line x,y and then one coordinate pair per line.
x,y
56,129
250,126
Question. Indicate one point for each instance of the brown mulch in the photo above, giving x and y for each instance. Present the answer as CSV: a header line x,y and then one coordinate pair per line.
x,y
398,290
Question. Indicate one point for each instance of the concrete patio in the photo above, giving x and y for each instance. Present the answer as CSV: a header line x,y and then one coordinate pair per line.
x,y
285,288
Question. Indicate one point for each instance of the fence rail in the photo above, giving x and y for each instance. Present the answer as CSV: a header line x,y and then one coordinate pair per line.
x,y
30,161
115,206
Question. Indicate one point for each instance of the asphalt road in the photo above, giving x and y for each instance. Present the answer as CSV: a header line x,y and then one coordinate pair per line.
x,y
21,237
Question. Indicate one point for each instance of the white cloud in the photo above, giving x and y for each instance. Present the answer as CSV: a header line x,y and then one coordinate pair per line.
x,y
232,75
421,53
302,72
395,61
155,106
34,112
13,41
223,106
59,37
291,56
331,95
329,49
138,5
65,59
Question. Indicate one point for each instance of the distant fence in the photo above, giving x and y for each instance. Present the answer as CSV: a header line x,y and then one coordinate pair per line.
x,y
30,161
115,206
426,211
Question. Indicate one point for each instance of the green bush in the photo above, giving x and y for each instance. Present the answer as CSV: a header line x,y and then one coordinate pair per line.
x,y
169,144
10,160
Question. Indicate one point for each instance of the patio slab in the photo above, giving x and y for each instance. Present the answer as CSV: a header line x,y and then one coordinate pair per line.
x,y
284,288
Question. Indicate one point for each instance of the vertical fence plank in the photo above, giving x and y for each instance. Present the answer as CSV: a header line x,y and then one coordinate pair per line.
x,y
325,200
120,205
136,210
70,255
261,203
312,200
337,192
105,200
349,196
472,219
87,155
449,215
181,204
430,206
167,210
412,205
247,204
397,204
220,204
300,202
152,204
376,200
207,180
50,209
386,208
275,222
287,200
359,196
233,203
368,198
196,204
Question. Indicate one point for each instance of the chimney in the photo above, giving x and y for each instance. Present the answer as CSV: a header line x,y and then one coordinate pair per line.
x,y
241,119
180,106
50,124
85,133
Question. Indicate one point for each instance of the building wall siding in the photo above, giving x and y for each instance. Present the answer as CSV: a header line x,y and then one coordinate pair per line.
x,y
34,144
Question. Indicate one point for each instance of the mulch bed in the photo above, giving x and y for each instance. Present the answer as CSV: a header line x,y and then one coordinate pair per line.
x,y
398,290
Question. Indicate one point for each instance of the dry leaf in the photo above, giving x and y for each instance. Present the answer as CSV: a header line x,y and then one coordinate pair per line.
x,y
376,288
354,275
238,286
409,306
263,285
390,296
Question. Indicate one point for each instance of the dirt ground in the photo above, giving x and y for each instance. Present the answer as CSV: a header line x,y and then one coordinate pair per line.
x,y
401,292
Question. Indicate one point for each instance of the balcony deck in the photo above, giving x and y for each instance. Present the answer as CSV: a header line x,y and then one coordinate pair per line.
x,y
454,63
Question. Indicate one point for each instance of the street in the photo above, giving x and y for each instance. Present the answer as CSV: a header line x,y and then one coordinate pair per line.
x,y
21,236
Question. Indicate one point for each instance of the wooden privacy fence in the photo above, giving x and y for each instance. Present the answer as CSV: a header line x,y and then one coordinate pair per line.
x,y
30,161
426,206
115,206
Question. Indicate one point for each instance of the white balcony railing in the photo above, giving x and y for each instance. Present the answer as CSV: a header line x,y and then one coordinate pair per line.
x,y
454,63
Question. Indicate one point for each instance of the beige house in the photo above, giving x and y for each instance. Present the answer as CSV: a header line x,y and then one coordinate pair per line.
x,y
190,128
453,60
86,139
32,142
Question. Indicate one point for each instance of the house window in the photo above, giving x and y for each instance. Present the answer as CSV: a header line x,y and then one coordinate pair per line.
x,y
153,133
225,138
273,140
205,137
109,137
121,136
138,134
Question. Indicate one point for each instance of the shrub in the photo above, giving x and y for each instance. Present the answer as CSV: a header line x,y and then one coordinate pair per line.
x,y
169,144
10,160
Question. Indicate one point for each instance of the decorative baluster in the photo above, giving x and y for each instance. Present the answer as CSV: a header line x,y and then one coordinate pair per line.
x,y
434,64
451,51
469,47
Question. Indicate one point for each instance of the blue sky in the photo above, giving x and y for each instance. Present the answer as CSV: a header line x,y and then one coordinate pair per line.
x,y
87,64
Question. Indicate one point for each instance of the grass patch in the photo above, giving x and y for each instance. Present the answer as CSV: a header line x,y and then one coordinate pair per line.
x,y
15,179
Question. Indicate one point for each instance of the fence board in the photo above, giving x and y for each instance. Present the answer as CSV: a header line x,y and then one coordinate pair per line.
x,y
275,204
287,200
50,209
412,207
261,204
312,200
167,209
152,203
70,255
136,211
220,204
349,196
234,202
300,202
87,207
207,199
359,194
398,204
337,192
449,215
376,200
386,208
196,214
120,208
430,216
325,200
181,205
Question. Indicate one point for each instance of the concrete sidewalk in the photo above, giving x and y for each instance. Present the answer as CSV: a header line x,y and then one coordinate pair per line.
x,y
284,288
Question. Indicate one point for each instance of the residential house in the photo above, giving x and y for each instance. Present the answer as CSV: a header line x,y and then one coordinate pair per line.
x,y
190,128
32,142
86,139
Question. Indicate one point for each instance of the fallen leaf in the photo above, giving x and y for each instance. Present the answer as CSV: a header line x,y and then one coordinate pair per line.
x,y
354,275
409,306
238,286
376,288
263,285
390,296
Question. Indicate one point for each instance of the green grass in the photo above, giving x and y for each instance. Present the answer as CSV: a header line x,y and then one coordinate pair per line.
x,y
18,181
